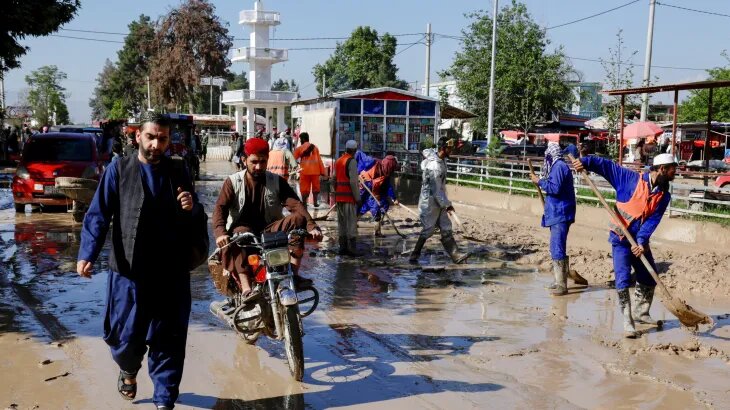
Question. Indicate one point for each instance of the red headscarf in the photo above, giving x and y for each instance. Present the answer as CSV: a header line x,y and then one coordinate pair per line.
x,y
388,165
256,146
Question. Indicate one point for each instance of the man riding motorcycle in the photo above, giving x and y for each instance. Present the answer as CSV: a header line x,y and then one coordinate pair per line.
x,y
252,200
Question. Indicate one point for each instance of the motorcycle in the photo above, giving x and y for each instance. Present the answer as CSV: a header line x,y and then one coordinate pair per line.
x,y
274,310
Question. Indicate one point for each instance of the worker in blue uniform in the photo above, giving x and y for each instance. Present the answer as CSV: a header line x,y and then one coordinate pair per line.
x,y
641,200
152,208
559,214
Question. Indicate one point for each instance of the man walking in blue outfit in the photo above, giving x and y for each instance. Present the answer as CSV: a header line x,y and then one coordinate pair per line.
x,y
151,207
557,183
641,200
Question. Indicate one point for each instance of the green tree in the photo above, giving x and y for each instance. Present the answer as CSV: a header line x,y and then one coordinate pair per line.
x,y
133,66
694,108
103,98
22,18
531,82
46,96
364,60
191,42
284,85
619,74
236,82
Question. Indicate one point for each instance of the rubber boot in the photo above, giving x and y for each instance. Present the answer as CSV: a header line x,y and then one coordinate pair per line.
x,y
305,199
352,248
343,245
624,301
453,250
417,250
561,278
573,275
644,295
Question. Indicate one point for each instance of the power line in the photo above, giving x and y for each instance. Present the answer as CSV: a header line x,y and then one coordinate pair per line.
x,y
693,10
593,15
410,45
593,59
245,38
87,39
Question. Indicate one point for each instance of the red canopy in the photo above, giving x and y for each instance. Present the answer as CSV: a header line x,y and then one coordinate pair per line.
x,y
642,129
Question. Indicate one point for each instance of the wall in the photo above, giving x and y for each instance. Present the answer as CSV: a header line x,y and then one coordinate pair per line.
x,y
592,221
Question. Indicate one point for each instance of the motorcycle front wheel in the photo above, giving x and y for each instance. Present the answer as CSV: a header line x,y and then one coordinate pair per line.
x,y
293,342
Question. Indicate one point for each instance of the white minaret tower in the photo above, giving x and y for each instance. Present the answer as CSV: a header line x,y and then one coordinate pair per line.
x,y
260,57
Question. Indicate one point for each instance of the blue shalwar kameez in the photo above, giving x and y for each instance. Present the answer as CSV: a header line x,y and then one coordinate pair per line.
x,y
148,306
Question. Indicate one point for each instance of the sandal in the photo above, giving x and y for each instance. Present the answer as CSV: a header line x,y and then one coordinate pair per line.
x,y
125,388
250,295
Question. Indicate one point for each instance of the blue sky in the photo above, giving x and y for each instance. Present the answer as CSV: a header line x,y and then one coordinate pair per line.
x,y
681,38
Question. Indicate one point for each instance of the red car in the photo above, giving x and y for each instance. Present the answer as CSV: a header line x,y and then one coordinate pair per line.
x,y
51,155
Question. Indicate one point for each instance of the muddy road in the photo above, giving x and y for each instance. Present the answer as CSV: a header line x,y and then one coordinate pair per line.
x,y
384,336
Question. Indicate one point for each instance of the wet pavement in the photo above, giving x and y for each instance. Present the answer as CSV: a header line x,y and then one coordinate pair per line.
x,y
384,335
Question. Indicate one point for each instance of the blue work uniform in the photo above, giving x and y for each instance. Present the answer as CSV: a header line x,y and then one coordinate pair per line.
x,y
559,211
148,299
625,181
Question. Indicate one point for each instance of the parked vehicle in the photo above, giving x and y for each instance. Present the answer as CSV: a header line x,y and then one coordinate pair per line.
x,y
275,312
47,157
723,181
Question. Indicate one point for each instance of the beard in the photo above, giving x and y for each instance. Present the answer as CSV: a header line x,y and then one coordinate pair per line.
x,y
662,182
259,176
151,156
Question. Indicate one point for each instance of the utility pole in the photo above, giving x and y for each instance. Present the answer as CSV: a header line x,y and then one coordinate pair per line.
x,y
647,60
220,100
149,100
324,85
2,90
211,95
490,118
428,59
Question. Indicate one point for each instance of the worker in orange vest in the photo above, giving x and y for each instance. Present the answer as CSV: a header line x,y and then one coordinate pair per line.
x,y
347,197
641,200
281,160
311,168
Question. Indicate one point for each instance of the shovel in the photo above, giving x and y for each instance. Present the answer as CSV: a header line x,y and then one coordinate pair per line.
x,y
362,182
324,217
539,191
687,315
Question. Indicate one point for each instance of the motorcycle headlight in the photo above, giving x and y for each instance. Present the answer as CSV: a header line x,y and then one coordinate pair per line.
x,y
277,257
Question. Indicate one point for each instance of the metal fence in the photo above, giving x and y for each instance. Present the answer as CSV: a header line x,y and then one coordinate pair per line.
x,y
689,195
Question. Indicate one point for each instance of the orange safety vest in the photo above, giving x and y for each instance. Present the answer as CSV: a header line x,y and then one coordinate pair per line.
x,y
373,174
311,164
641,205
343,191
277,163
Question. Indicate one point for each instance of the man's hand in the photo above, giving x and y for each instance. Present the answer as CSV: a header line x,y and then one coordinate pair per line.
x,y
84,268
185,199
535,179
450,209
221,241
396,202
637,250
578,165
316,234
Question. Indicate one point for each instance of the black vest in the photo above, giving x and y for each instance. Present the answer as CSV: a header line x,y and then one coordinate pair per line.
x,y
162,215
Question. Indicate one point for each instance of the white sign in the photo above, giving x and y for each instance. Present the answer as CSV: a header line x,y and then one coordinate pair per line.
x,y
217,81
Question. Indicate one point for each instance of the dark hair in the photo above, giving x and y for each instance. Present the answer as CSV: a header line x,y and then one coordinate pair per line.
x,y
153,117
390,153
304,137
445,142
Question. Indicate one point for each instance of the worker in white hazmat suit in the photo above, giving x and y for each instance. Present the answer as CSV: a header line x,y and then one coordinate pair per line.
x,y
434,204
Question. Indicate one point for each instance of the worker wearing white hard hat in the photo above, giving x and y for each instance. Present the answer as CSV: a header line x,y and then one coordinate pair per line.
x,y
641,200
